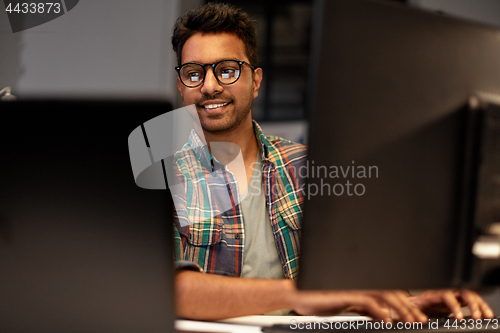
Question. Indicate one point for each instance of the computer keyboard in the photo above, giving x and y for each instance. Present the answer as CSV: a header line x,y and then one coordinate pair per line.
x,y
435,325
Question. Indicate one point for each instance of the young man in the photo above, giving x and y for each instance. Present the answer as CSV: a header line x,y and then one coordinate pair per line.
x,y
226,231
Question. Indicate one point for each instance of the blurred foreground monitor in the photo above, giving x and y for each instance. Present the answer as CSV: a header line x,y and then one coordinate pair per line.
x,y
82,247
404,163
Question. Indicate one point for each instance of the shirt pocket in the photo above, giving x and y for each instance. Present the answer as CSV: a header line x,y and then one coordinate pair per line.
x,y
201,221
204,233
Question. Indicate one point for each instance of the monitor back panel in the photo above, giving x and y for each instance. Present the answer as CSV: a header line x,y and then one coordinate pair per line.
x,y
82,248
389,85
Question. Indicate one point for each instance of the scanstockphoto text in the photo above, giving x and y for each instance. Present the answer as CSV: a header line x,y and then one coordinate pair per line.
x,y
334,180
431,324
354,324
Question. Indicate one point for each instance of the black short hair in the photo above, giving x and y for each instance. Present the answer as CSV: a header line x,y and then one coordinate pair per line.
x,y
216,18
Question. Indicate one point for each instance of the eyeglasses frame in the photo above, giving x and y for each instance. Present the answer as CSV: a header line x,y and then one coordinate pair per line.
x,y
240,64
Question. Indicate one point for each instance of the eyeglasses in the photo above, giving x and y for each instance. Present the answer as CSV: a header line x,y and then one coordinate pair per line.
x,y
226,72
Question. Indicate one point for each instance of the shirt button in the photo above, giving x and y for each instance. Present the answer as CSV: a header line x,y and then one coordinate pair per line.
x,y
237,236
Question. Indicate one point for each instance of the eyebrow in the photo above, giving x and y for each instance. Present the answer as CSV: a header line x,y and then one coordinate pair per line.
x,y
216,61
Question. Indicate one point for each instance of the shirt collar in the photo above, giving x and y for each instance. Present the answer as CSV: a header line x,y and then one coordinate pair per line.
x,y
201,150
263,142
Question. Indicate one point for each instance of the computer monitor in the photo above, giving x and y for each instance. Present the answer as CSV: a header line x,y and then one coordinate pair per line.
x,y
82,247
389,198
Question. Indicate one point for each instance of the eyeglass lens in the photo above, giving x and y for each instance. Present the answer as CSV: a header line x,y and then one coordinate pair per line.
x,y
227,72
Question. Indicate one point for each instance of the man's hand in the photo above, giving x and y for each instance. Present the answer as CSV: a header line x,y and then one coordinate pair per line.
x,y
443,302
385,305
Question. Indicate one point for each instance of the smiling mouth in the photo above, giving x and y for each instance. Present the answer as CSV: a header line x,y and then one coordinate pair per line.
x,y
214,106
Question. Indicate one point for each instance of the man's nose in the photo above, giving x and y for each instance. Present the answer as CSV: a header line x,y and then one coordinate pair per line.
x,y
210,84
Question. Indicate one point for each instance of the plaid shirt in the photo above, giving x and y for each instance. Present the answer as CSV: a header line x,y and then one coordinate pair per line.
x,y
209,231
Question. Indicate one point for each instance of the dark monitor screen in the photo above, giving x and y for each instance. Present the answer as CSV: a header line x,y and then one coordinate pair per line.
x,y
82,247
386,205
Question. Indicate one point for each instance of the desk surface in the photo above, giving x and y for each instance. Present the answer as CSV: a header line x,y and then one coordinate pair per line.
x,y
252,324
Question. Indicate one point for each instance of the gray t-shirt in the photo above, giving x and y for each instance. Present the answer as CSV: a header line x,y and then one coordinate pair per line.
x,y
260,257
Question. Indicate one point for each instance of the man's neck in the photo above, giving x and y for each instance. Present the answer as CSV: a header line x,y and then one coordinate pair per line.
x,y
243,136
241,139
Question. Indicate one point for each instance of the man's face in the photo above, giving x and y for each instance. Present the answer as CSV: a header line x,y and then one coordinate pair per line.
x,y
221,108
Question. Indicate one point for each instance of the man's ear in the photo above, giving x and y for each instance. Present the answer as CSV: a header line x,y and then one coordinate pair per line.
x,y
180,86
257,79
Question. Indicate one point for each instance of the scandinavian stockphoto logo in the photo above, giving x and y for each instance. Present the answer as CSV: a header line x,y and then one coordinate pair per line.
x,y
28,14
160,159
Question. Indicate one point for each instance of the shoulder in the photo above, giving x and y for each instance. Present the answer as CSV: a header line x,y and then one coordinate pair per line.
x,y
184,153
186,150
186,161
276,148
286,152
281,148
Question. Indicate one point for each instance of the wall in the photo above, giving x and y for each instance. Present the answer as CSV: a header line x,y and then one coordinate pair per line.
x,y
118,48
10,48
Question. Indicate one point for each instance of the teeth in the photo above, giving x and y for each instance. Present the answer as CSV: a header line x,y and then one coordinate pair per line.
x,y
213,106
